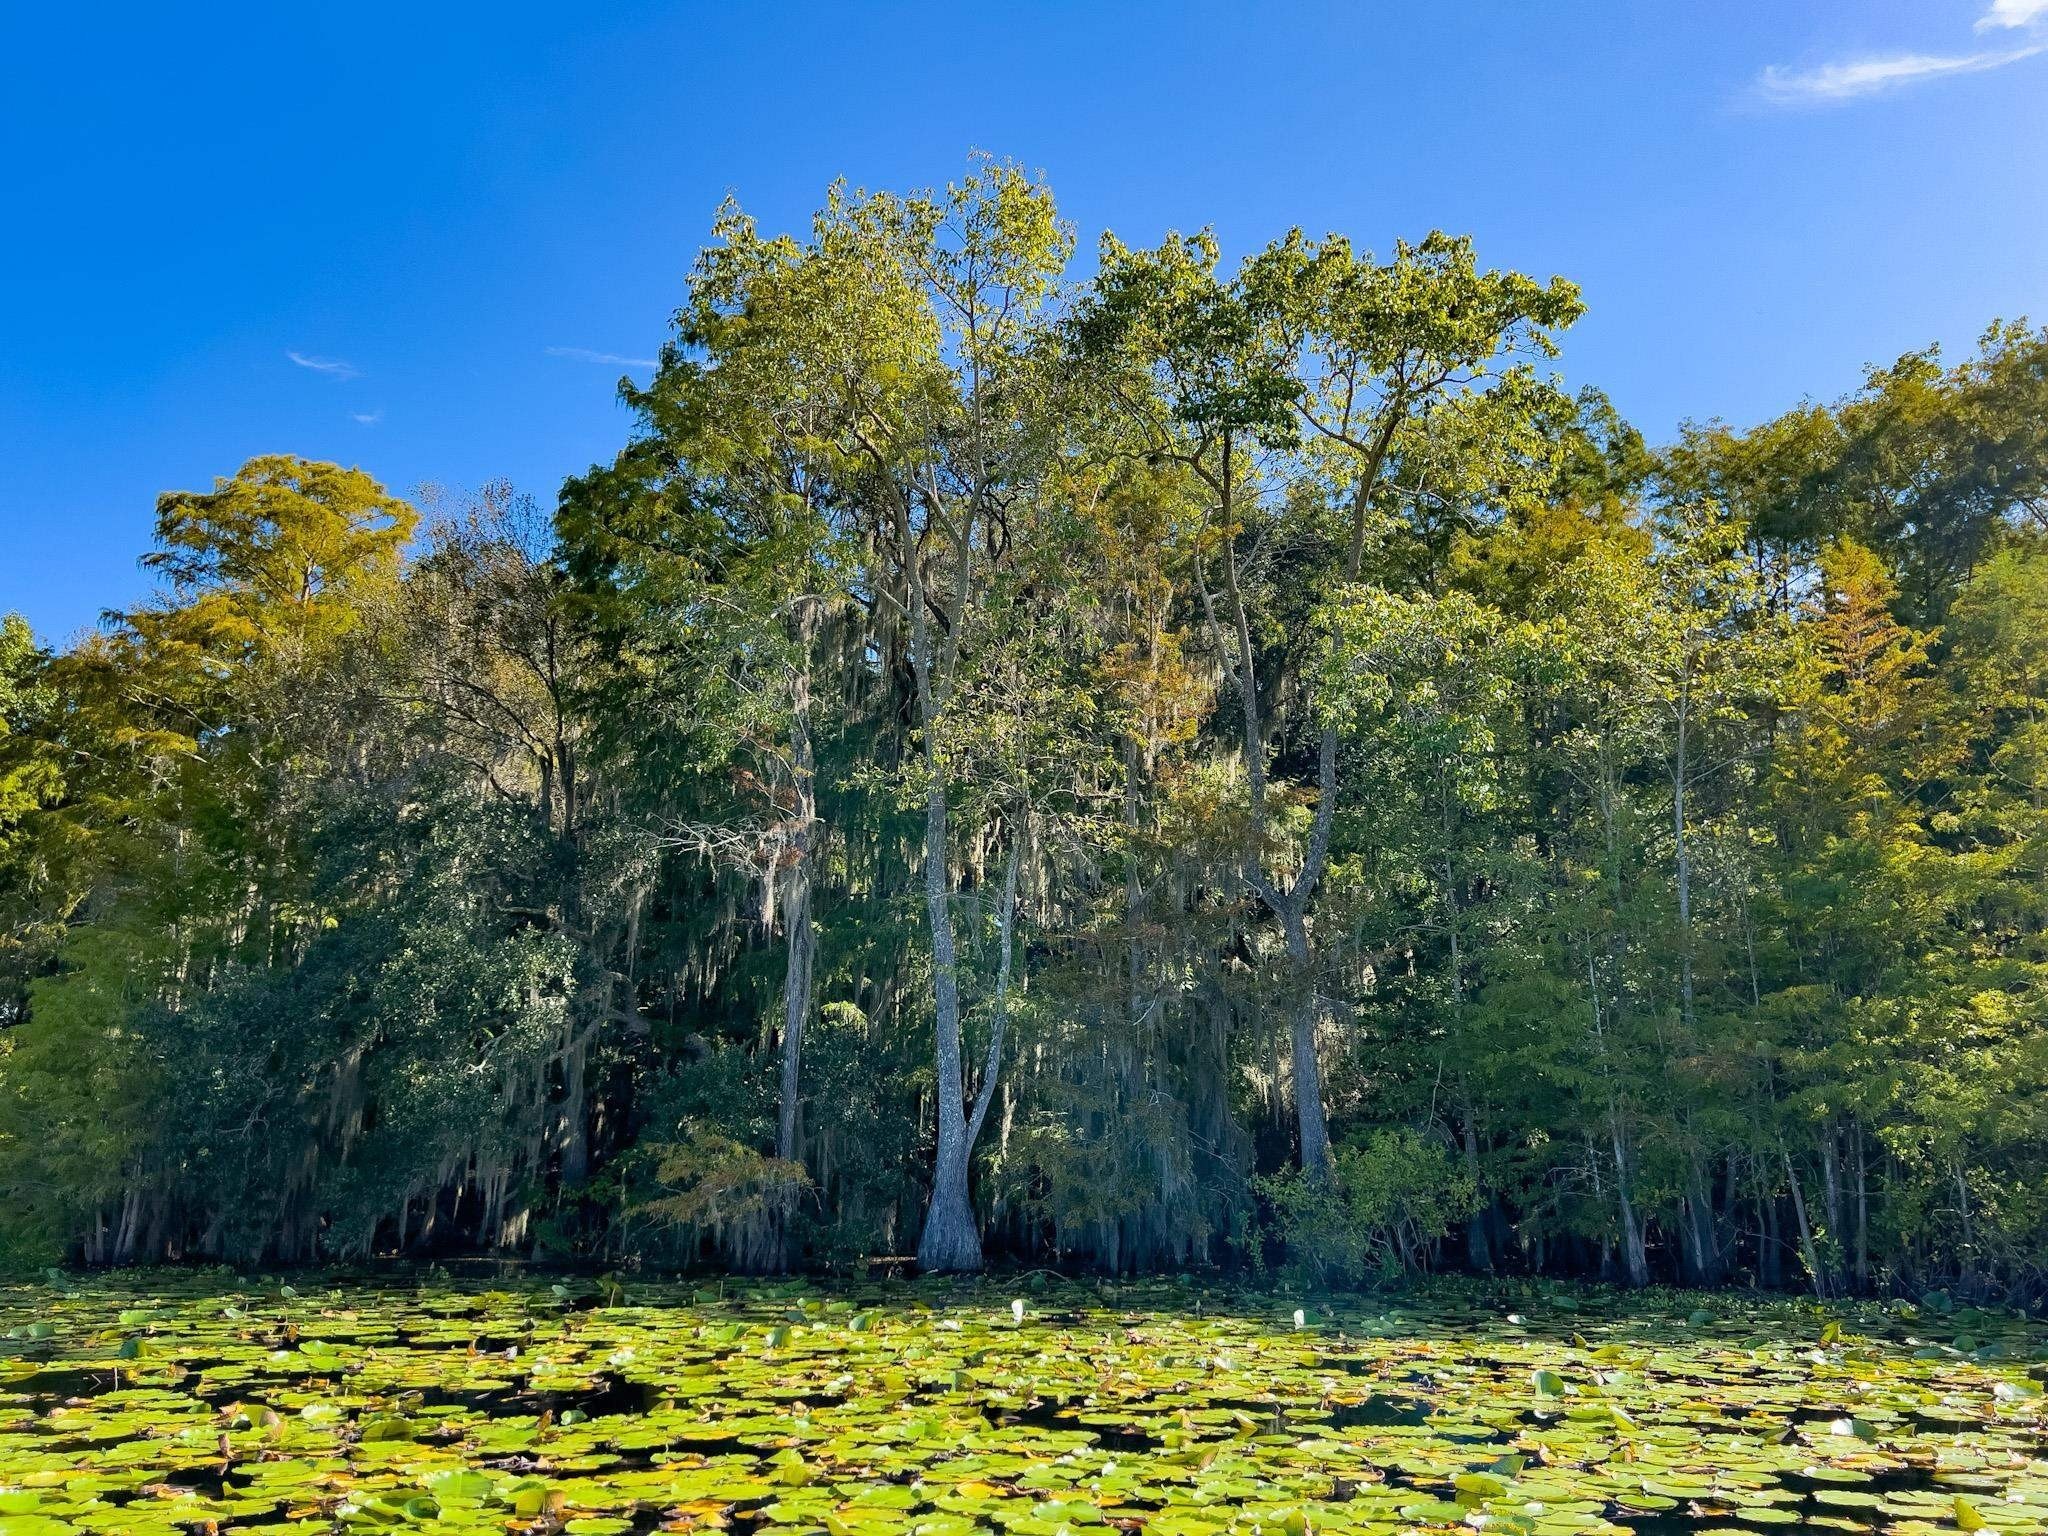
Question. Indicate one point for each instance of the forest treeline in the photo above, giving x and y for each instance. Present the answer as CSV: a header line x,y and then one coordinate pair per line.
x,y
1191,765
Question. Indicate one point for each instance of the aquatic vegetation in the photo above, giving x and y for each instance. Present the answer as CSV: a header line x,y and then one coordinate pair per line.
x,y
153,1404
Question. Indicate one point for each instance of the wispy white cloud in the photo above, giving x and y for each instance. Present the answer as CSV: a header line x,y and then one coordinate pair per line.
x,y
2013,13
585,355
1846,79
367,418
333,367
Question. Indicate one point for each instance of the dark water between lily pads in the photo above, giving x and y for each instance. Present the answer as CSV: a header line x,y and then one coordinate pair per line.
x,y
162,1403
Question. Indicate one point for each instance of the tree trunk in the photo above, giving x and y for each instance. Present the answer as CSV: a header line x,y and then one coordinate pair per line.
x,y
1703,1243
1862,1216
1477,1249
1683,853
1635,1253
1311,1123
796,1003
950,1241
1831,1188
1770,1252
800,955
800,938
1806,1243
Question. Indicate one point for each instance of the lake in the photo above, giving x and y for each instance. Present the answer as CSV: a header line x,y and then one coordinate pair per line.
x,y
186,1402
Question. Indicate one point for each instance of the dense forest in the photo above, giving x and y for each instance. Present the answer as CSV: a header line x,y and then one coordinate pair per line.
x,y
1135,765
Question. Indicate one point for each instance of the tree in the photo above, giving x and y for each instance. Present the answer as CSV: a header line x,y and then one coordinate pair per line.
x,y
1344,366
1168,765
29,779
715,552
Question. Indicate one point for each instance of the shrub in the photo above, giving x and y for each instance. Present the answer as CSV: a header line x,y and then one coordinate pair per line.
x,y
1394,1194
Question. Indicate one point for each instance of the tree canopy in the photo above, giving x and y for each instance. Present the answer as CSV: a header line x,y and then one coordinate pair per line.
x,y
1192,765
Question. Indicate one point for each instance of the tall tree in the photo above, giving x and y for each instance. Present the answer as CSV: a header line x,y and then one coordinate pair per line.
x,y
1293,393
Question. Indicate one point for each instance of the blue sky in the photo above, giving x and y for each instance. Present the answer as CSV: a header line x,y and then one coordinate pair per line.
x,y
410,237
